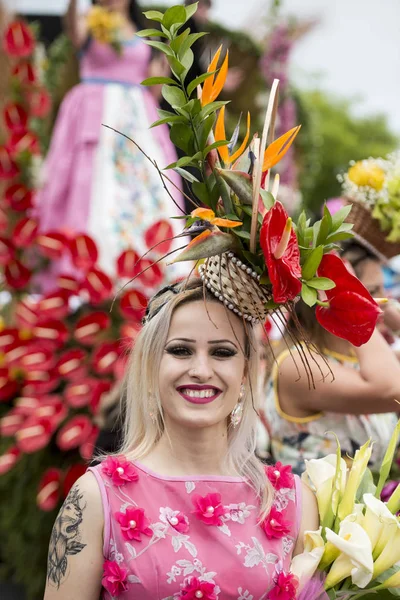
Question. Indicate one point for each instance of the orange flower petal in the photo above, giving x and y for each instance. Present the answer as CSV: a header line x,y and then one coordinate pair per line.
x,y
208,84
277,150
226,223
220,135
203,213
220,79
243,145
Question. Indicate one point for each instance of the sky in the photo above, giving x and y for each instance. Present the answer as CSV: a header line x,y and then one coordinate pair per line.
x,y
353,50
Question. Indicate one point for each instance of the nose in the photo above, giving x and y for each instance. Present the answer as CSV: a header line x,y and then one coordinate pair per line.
x,y
201,368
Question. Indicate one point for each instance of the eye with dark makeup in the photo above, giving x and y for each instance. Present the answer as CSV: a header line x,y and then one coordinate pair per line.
x,y
184,351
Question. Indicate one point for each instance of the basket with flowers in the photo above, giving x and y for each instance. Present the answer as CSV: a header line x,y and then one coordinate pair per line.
x,y
105,26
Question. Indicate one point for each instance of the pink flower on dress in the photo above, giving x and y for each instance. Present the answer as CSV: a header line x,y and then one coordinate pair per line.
x,y
275,525
114,578
119,469
179,521
194,589
280,475
209,508
134,524
285,587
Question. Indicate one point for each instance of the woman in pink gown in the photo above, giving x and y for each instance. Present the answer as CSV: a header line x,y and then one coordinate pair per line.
x,y
95,180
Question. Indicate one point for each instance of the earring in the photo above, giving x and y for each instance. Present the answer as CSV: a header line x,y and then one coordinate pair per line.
x,y
236,414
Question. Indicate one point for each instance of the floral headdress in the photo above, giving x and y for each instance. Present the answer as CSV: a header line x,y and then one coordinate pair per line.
x,y
248,251
373,186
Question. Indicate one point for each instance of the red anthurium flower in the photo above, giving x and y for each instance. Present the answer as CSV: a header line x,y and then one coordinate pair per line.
x,y
105,357
115,578
158,237
19,197
101,387
3,220
134,524
24,72
89,327
13,355
133,305
26,406
350,312
208,508
71,476
9,458
36,357
16,274
193,588
25,314
23,141
10,424
39,101
8,168
86,450
120,470
9,338
40,382
6,251
25,232
79,393
8,386
285,587
98,286
130,331
280,475
282,255
34,434
52,244
15,117
84,251
128,264
120,366
51,407
18,39
275,525
52,331
54,305
69,284
71,364
151,275
49,489
74,433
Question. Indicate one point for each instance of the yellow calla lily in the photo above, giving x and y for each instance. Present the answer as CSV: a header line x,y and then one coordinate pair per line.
x,y
206,214
212,86
220,135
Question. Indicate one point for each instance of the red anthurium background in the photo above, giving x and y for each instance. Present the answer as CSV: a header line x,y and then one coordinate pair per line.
x,y
72,364
24,72
10,424
52,244
89,328
18,40
351,313
74,433
133,305
49,489
16,274
54,305
105,357
19,197
34,435
8,167
71,476
39,101
284,272
84,251
6,251
128,264
97,285
25,232
15,117
9,458
23,141
158,237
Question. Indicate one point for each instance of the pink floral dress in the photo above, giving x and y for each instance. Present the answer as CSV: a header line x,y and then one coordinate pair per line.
x,y
167,538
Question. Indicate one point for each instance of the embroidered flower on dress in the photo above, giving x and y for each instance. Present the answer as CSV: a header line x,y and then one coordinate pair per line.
x,y
194,589
209,508
275,525
133,524
114,578
280,476
285,588
119,469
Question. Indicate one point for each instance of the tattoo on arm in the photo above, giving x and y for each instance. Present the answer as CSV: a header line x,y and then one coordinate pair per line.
x,y
66,537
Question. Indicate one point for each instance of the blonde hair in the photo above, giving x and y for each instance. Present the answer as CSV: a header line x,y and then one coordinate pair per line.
x,y
142,430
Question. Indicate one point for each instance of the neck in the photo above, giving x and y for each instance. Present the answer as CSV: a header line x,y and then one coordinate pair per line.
x,y
336,344
186,451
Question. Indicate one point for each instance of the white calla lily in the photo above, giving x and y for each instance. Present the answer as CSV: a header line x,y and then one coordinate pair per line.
x,y
355,557
320,472
305,564
390,554
377,515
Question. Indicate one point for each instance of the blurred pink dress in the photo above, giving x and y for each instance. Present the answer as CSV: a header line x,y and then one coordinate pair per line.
x,y
96,181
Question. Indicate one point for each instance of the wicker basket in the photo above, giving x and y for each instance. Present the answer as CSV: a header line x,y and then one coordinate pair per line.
x,y
237,286
367,230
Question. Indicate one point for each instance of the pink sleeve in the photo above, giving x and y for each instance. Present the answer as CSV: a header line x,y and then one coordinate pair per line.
x,y
106,510
299,503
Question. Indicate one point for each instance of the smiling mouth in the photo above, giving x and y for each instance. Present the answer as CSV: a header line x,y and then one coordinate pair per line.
x,y
199,396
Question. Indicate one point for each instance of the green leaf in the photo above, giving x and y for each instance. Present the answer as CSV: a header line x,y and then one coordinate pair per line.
x,y
208,149
154,15
189,41
388,460
345,227
340,216
267,198
190,10
321,283
211,108
204,130
177,67
195,82
324,230
315,233
172,119
338,237
187,61
308,295
164,48
181,136
201,192
173,95
242,234
186,175
366,486
158,80
311,264
328,217
151,33
178,41
173,15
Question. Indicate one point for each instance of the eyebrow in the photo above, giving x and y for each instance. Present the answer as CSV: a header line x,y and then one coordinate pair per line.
x,y
194,341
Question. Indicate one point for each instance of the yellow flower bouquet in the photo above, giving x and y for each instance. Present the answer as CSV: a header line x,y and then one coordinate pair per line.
x,y
105,26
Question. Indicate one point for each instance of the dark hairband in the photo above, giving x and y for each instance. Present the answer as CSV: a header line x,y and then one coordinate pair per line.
x,y
168,288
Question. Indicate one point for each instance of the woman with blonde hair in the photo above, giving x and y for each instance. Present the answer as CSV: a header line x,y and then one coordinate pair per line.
x,y
185,509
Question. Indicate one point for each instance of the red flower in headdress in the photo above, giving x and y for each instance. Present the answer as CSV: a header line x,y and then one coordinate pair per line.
x,y
6,251
19,197
351,313
34,434
84,251
71,364
23,141
89,327
157,237
25,232
24,72
54,305
51,244
10,423
8,168
18,39
15,117
133,305
9,458
49,489
74,433
105,357
97,285
52,331
128,264
16,274
282,255
39,101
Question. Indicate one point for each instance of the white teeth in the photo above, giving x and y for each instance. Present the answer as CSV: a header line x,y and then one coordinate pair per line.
x,y
199,393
